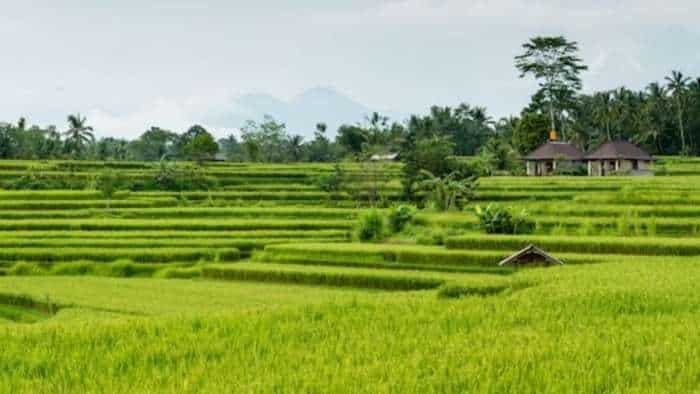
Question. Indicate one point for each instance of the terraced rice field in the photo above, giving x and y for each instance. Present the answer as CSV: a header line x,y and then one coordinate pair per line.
x,y
259,285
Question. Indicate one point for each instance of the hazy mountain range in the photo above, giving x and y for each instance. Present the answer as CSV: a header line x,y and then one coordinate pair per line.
x,y
300,114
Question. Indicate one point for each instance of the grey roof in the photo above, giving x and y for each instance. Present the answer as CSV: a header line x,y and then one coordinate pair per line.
x,y
528,253
552,150
618,150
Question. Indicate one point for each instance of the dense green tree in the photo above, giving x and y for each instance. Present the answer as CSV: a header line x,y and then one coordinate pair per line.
x,y
231,148
505,127
320,149
424,154
554,63
7,143
182,148
153,144
264,141
201,147
530,132
468,127
498,156
351,138
110,148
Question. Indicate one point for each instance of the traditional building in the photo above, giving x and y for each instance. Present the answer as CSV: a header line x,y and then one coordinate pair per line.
x,y
619,157
543,160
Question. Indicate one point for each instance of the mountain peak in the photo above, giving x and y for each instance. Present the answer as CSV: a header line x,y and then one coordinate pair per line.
x,y
301,114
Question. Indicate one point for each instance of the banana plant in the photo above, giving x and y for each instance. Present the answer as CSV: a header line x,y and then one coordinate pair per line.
x,y
447,192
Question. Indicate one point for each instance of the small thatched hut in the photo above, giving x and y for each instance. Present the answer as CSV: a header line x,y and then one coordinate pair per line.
x,y
543,160
531,255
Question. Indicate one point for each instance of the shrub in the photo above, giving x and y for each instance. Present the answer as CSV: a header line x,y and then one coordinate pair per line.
x,y
567,167
495,219
651,227
433,237
332,183
128,269
371,227
179,273
107,183
399,216
73,268
25,269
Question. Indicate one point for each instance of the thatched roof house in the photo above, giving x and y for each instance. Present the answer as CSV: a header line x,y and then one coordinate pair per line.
x,y
543,160
531,255
615,157
611,158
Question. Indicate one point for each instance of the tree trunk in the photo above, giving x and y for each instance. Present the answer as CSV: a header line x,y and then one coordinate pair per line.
x,y
680,126
551,112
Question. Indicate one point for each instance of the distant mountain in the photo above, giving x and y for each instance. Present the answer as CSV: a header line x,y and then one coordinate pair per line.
x,y
301,114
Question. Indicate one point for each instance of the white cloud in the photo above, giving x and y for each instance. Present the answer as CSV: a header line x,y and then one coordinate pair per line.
x,y
541,13
162,68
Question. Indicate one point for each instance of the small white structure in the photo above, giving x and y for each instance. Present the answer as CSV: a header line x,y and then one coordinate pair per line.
x,y
385,157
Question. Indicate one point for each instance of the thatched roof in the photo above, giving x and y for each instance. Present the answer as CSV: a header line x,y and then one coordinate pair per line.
x,y
553,150
531,254
619,149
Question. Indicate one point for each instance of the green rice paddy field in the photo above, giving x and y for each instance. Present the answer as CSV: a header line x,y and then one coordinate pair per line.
x,y
260,286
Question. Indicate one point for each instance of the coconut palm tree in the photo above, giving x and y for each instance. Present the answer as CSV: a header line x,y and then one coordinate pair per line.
x,y
78,135
295,144
654,110
480,116
603,111
678,86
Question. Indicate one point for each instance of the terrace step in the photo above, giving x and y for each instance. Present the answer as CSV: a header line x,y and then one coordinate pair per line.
x,y
323,276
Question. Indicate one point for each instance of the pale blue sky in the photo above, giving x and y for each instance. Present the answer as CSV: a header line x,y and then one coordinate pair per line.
x,y
129,66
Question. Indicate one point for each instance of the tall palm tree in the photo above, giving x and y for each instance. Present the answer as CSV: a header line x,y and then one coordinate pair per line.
x,y
78,135
22,124
296,143
623,109
481,117
678,86
655,108
603,111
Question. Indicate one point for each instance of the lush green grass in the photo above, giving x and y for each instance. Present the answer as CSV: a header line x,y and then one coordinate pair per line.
x,y
144,255
144,303
590,245
322,276
170,234
174,224
626,325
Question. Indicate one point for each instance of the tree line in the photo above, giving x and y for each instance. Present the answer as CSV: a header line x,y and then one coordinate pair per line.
x,y
664,118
